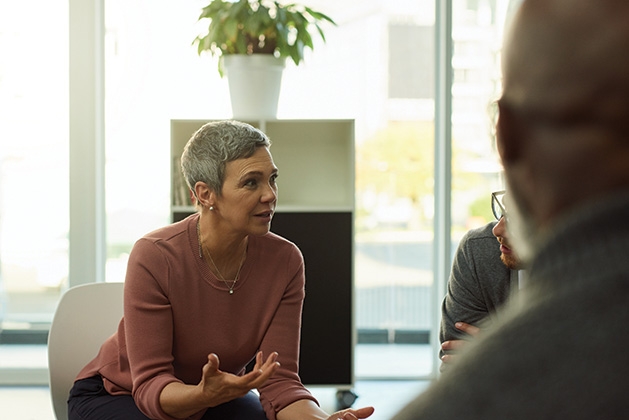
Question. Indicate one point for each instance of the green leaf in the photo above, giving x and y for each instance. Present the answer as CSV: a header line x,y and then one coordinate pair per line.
x,y
298,20
201,47
305,38
221,66
238,10
235,25
231,29
319,16
297,53
240,46
256,23
320,32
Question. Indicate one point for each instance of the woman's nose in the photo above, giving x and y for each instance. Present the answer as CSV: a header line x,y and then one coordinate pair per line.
x,y
270,194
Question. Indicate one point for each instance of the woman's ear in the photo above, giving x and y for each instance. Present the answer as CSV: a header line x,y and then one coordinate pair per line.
x,y
203,194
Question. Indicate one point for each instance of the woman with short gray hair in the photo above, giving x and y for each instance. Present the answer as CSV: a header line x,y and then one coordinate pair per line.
x,y
207,297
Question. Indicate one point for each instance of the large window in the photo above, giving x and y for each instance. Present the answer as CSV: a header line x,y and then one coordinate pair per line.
x,y
33,168
377,67
153,75
477,37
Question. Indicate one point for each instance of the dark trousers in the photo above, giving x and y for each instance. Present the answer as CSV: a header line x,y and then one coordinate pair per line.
x,y
89,401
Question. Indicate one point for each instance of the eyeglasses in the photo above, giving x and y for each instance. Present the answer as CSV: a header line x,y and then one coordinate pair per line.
x,y
497,208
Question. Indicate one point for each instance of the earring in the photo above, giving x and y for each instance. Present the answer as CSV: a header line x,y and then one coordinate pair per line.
x,y
211,208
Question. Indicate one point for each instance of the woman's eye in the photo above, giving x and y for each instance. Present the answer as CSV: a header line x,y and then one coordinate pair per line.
x,y
251,183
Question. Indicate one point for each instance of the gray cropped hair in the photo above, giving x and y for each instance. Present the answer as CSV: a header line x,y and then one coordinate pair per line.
x,y
213,145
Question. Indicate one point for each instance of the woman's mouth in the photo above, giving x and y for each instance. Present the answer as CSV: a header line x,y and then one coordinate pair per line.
x,y
266,215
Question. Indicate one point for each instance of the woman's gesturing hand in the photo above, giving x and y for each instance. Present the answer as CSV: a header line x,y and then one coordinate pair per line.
x,y
352,414
216,387
219,387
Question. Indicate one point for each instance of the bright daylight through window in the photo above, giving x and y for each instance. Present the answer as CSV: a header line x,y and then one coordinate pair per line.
x,y
33,170
376,68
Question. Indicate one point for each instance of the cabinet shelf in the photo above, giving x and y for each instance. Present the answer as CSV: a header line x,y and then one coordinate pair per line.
x,y
315,160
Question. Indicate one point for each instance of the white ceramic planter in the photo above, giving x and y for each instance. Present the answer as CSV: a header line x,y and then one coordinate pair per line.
x,y
254,84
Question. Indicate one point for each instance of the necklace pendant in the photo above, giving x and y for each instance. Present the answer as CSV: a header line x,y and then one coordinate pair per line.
x,y
231,291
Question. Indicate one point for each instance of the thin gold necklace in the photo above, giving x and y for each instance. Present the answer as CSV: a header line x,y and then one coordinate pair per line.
x,y
203,249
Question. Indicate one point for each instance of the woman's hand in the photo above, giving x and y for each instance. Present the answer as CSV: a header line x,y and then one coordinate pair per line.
x,y
219,387
216,387
352,414
307,409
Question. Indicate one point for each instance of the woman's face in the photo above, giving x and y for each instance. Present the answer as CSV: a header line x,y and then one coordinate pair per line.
x,y
249,194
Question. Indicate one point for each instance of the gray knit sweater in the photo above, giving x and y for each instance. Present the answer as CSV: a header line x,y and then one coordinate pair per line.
x,y
479,283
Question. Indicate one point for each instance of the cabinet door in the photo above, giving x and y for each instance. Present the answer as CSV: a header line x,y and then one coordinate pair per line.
x,y
325,239
327,342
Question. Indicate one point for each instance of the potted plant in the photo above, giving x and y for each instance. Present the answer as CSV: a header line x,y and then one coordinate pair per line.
x,y
252,39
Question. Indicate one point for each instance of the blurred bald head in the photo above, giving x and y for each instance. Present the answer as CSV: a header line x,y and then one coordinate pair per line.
x,y
562,54
563,128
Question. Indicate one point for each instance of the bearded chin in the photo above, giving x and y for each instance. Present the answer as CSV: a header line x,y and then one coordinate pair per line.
x,y
521,229
510,261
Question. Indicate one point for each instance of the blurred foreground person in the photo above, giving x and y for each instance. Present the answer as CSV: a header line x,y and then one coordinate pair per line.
x,y
563,137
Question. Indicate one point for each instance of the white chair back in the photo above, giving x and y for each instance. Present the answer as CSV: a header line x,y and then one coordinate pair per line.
x,y
86,316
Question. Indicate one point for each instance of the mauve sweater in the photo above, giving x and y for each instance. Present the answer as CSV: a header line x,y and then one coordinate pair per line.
x,y
176,312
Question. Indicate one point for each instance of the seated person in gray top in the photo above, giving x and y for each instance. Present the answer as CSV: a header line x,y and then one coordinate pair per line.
x,y
484,275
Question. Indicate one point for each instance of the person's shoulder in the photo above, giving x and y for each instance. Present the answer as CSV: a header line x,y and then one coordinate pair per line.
x,y
479,241
275,240
480,233
168,232
275,247
272,243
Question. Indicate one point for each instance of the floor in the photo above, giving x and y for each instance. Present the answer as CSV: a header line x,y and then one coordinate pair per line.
x,y
372,387
33,403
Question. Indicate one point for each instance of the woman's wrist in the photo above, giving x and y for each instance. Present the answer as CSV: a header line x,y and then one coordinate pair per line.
x,y
302,409
180,400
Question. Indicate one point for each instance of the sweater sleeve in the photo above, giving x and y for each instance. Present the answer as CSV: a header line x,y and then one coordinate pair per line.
x,y
283,336
464,299
148,327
